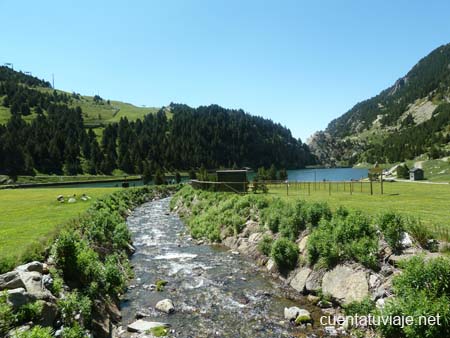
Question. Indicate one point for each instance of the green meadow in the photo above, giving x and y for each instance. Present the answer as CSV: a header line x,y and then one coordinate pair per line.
x,y
429,202
29,218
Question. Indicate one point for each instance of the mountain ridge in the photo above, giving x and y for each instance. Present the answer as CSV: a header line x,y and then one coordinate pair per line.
x,y
360,134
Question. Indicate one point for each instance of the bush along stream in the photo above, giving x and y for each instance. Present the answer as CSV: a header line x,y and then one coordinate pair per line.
x,y
343,262
75,292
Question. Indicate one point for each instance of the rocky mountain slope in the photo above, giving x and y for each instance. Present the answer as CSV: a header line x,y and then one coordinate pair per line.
x,y
380,128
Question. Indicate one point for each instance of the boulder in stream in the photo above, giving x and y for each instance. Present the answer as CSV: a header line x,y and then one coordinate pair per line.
x,y
144,325
165,305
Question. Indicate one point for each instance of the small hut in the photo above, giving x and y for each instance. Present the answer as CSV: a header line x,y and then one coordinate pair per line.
x,y
233,180
416,174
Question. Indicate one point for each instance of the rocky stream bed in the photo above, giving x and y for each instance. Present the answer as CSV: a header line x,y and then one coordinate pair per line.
x,y
215,292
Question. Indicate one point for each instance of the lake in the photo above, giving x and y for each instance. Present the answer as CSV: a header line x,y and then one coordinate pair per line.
x,y
327,174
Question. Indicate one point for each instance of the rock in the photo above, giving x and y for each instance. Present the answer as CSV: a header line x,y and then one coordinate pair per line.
x,y
299,280
380,303
303,317
345,284
331,331
271,266
131,249
165,305
11,280
292,313
313,299
141,314
18,331
60,198
113,312
34,284
255,237
302,245
47,280
386,270
374,281
314,280
405,240
48,314
143,326
72,200
18,297
406,254
101,327
30,267
324,304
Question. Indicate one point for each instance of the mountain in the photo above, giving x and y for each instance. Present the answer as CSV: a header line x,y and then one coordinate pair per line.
x,y
408,119
48,131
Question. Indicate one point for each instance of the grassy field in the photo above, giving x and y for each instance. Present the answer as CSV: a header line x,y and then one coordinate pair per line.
x,y
29,217
94,114
429,202
78,178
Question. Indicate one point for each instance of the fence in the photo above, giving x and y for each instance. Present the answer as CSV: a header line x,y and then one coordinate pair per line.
x,y
331,187
297,187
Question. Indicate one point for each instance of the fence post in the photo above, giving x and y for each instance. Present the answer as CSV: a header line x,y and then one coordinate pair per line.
x,y
351,188
361,186
329,188
287,188
381,183
309,189
371,188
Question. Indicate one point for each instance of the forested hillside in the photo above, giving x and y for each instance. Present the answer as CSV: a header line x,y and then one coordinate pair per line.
x,y
408,119
47,132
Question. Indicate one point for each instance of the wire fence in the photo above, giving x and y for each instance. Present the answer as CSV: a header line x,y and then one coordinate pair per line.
x,y
296,187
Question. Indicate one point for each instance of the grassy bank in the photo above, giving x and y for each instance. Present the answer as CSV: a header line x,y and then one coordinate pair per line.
x,y
30,218
89,268
429,202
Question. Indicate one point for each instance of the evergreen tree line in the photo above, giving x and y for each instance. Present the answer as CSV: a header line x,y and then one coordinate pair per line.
x,y
56,141
211,136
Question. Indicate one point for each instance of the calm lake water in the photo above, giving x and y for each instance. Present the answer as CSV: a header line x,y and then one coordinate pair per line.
x,y
331,174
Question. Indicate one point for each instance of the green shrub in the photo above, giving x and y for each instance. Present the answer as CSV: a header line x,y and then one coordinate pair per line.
x,y
7,317
392,226
76,331
36,332
361,308
72,304
58,282
317,211
423,289
285,254
417,304
420,233
29,312
265,245
342,212
340,239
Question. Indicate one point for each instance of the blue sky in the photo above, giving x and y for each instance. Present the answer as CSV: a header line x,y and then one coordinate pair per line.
x,y
300,63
